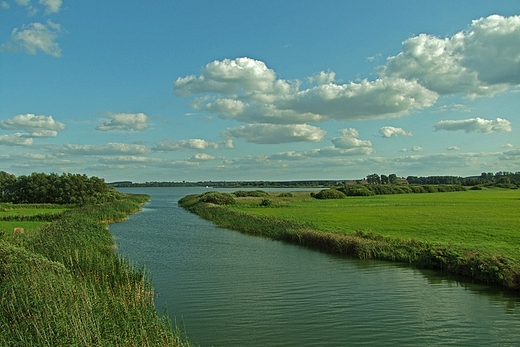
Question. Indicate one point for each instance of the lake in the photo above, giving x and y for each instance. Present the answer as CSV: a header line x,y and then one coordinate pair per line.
x,y
224,288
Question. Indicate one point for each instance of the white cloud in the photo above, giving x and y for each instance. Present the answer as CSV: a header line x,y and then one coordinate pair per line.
x,y
349,139
508,145
246,90
51,6
202,157
35,126
15,140
475,124
275,134
34,37
131,161
323,78
453,148
170,145
482,60
389,131
229,144
417,149
105,149
125,122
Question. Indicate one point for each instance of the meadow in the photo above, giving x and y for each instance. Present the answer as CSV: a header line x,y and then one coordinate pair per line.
x,y
485,220
474,233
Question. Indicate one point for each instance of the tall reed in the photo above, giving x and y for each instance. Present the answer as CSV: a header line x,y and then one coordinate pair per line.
x,y
65,286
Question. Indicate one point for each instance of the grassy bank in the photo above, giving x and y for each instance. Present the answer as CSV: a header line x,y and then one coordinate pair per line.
x,y
471,233
63,285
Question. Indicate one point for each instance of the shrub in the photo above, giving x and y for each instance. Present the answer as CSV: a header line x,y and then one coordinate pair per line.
x,y
329,194
254,193
285,195
266,202
357,190
217,198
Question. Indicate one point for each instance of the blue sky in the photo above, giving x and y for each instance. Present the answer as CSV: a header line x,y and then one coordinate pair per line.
x,y
271,90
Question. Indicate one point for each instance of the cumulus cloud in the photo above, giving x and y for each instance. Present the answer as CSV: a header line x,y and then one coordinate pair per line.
x,y
15,140
480,125
349,139
35,126
125,122
34,37
453,148
170,145
247,90
389,131
105,149
479,61
323,78
275,133
417,149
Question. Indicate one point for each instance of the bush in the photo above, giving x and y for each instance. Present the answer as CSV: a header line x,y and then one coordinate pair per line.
x,y
285,195
357,190
217,198
255,193
329,194
266,202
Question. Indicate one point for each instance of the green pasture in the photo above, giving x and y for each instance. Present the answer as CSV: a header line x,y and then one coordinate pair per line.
x,y
483,220
40,212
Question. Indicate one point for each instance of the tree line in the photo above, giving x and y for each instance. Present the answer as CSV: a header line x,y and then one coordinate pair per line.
x,y
67,188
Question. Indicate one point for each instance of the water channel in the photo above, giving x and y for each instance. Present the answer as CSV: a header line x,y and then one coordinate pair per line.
x,y
228,289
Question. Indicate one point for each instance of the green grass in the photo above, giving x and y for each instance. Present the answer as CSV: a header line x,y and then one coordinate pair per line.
x,y
487,220
63,285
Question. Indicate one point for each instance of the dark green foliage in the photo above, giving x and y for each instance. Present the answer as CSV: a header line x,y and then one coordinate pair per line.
x,y
329,194
55,189
266,202
381,189
285,195
357,190
218,198
254,193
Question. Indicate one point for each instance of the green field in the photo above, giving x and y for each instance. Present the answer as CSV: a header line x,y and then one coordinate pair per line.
x,y
27,216
483,220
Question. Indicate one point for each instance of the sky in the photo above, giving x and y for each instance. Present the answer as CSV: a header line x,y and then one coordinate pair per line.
x,y
268,90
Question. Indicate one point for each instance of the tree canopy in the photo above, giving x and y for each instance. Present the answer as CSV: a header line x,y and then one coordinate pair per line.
x,y
56,189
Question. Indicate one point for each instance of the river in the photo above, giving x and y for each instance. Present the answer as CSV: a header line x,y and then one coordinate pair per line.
x,y
224,288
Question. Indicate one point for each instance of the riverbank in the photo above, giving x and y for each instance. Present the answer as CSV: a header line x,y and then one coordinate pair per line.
x,y
63,284
261,216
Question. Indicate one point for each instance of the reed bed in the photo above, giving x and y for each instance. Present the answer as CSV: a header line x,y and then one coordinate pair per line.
x,y
63,285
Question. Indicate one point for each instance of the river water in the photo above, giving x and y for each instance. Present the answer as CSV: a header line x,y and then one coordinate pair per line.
x,y
224,288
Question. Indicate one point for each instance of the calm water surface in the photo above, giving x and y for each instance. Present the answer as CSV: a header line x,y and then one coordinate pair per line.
x,y
230,289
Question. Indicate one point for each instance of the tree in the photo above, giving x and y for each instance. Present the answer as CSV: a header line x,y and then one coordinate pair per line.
x,y
392,179
384,179
373,179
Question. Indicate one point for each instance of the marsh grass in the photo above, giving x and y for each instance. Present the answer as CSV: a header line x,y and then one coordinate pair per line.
x,y
472,233
63,285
